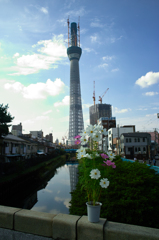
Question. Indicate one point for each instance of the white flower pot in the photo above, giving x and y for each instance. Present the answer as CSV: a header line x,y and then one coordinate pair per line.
x,y
93,212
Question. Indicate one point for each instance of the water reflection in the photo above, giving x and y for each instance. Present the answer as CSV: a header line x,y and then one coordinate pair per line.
x,y
55,197
51,193
73,168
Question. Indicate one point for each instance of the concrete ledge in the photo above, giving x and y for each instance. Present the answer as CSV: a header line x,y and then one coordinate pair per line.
x,y
20,224
6,216
90,231
120,231
7,234
64,226
38,223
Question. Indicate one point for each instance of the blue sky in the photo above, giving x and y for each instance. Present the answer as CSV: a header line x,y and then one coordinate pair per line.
x,y
119,41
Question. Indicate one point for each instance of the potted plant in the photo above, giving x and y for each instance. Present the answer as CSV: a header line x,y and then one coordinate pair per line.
x,y
94,169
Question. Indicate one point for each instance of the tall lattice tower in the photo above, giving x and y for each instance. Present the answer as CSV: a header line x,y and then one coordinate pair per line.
x,y
74,53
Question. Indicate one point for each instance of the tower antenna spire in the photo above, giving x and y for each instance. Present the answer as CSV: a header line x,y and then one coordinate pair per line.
x,y
94,92
68,22
78,31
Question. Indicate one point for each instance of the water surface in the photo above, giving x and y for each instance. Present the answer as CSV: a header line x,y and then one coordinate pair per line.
x,y
55,197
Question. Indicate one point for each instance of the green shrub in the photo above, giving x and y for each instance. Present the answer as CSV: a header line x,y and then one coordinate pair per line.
x,y
132,196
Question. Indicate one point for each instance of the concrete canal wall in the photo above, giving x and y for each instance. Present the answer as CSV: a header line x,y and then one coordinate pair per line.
x,y
21,224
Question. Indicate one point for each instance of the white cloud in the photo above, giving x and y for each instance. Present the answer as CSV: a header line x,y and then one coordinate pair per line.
x,y
88,49
150,93
49,53
96,23
149,79
104,65
108,58
38,90
65,102
117,110
44,10
16,55
63,22
93,39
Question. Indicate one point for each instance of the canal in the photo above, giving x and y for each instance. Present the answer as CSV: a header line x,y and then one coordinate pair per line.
x,y
55,197
44,191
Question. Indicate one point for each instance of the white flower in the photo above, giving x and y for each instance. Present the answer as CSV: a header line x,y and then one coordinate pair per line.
x,y
90,130
83,140
104,183
80,155
97,137
83,133
98,127
104,131
81,150
111,156
88,156
95,174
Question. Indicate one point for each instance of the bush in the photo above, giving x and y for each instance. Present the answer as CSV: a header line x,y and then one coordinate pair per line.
x,y
132,196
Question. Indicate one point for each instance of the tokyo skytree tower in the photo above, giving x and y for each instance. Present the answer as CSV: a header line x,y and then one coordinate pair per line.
x,y
74,53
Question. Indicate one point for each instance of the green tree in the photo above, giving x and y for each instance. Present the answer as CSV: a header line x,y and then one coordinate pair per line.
x,y
5,118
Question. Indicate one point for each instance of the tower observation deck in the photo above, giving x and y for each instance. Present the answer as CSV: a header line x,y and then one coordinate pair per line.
x,y
75,115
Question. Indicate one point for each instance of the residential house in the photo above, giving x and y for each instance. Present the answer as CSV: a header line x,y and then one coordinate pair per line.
x,y
135,144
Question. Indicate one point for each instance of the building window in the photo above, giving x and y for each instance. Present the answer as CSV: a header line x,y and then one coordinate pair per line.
x,y
129,139
129,149
143,139
139,149
135,149
135,140
144,149
138,139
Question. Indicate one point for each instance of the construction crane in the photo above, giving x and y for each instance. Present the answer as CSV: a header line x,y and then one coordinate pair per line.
x,y
94,92
100,98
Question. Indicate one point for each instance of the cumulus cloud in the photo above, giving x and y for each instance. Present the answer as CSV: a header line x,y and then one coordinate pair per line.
x,y
39,90
49,52
65,102
117,110
150,93
149,79
16,55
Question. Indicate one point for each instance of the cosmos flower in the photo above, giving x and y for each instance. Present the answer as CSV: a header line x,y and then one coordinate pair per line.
x,y
104,156
95,174
104,183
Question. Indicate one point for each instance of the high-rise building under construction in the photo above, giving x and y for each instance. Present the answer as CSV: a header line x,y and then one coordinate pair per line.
x,y
74,53
99,110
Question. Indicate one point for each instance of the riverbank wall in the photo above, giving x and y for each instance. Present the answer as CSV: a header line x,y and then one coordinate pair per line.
x,y
21,224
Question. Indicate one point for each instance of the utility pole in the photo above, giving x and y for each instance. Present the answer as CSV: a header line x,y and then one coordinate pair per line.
x,y
155,140
118,140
